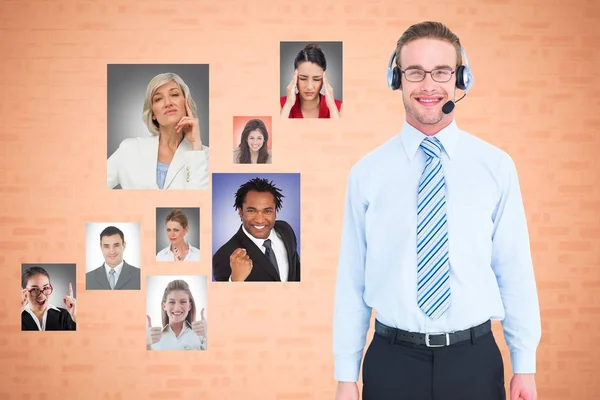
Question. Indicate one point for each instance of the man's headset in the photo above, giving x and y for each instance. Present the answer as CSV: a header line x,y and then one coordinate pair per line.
x,y
464,78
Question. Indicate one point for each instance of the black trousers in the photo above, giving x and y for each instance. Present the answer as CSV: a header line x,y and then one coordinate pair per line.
x,y
470,370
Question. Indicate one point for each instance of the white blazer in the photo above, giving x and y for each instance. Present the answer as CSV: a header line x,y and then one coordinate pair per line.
x,y
133,166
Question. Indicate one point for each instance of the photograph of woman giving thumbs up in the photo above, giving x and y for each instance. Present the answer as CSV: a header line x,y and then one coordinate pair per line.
x,y
180,326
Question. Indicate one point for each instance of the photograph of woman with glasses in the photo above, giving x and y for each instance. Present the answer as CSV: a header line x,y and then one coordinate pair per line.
x,y
36,312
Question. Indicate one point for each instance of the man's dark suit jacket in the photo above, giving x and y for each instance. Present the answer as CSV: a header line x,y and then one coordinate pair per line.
x,y
262,269
55,321
129,279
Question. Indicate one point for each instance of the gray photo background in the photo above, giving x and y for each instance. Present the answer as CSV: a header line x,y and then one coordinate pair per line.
x,y
126,92
60,277
333,55
193,235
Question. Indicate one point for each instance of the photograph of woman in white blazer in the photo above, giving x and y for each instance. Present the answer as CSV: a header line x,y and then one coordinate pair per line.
x,y
179,329
179,249
174,156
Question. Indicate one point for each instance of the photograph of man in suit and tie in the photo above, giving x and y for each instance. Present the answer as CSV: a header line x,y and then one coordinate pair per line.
x,y
39,309
265,246
115,273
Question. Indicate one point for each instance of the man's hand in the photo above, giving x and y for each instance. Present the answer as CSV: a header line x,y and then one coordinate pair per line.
x,y
346,391
241,265
522,387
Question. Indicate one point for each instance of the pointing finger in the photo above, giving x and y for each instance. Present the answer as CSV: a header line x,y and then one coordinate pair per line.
x,y
70,290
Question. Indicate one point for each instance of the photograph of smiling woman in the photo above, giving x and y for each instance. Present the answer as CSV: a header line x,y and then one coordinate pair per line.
x,y
174,156
181,328
253,147
37,312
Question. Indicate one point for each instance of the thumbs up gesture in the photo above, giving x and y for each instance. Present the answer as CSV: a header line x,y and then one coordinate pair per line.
x,y
153,334
71,303
199,327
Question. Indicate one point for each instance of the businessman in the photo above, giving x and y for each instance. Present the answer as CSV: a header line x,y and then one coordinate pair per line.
x,y
263,248
115,273
434,239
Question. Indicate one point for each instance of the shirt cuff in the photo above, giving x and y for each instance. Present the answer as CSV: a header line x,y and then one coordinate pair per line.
x,y
523,362
347,369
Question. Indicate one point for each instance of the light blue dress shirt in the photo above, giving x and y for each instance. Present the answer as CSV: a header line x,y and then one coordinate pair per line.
x,y
491,271
161,174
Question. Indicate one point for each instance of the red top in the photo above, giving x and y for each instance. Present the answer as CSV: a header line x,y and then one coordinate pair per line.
x,y
295,111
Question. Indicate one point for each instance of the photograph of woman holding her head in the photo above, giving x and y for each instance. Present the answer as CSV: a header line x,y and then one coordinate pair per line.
x,y
179,329
253,147
176,227
36,312
309,93
174,156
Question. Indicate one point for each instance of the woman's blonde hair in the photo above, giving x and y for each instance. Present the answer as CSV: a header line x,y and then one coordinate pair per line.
x,y
177,216
154,84
184,287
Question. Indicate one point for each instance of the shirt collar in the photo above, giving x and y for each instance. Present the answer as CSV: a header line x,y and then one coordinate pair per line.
x,y
118,268
30,311
259,242
411,139
186,325
168,250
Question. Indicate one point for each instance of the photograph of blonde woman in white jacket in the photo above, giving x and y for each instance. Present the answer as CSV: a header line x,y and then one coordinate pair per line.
x,y
173,155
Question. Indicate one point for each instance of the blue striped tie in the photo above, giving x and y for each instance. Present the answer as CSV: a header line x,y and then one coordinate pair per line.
x,y
433,272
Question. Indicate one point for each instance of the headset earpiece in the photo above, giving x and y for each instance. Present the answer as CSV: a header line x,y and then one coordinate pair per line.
x,y
464,77
460,78
394,76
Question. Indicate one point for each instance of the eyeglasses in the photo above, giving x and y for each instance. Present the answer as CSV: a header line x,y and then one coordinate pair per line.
x,y
35,292
438,75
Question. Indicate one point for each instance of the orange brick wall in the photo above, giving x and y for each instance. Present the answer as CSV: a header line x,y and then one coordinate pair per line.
x,y
536,95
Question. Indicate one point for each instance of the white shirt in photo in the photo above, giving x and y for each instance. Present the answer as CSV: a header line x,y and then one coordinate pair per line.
x,y
187,339
167,255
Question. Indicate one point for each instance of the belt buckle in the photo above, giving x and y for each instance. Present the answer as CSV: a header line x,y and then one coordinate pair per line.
x,y
437,345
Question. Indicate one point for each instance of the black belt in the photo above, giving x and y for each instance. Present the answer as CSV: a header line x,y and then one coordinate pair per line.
x,y
432,339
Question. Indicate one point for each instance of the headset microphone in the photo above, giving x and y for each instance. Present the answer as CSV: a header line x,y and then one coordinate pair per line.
x,y
448,107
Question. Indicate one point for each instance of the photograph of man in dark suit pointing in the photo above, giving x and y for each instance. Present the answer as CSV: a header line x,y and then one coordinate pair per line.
x,y
263,248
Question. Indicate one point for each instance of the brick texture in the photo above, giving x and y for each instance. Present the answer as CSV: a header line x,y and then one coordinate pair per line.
x,y
535,96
